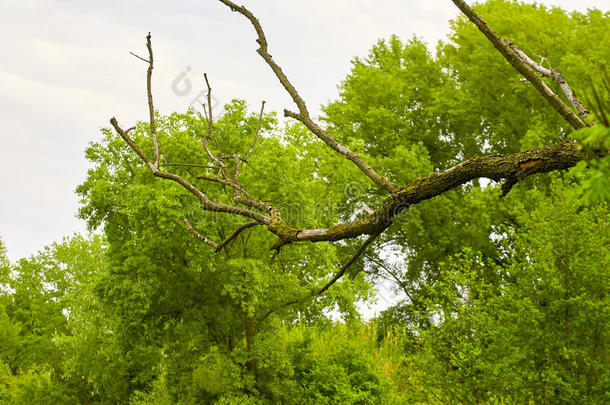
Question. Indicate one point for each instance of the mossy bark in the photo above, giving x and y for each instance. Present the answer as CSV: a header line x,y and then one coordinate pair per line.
x,y
510,168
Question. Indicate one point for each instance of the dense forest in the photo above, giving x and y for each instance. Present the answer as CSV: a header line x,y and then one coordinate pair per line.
x,y
175,298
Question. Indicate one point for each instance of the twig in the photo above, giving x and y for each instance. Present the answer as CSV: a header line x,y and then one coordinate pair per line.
x,y
238,159
210,115
235,233
348,263
198,235
210,130
258,129
189,165
139,57
241,194
397,279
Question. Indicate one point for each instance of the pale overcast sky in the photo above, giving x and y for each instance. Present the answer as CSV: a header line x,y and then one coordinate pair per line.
x,y
65,70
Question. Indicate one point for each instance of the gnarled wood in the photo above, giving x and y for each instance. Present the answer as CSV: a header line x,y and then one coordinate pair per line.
x,y
509,168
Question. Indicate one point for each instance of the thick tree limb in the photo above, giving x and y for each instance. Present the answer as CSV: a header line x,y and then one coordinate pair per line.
x,y
512,168
522,67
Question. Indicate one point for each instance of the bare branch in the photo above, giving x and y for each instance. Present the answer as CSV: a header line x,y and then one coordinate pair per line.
x,y
235,233
238,159
511,168
556,76
210,114
190,165
206,203
198,235
258,129
131,143
522,67
210,131
348,263
139,57
303,114
241,194
151,107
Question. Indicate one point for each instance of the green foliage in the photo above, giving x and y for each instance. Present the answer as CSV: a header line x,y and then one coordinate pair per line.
x,y
531,330
505,299
199,319
594,174
42,314
408,112
342,365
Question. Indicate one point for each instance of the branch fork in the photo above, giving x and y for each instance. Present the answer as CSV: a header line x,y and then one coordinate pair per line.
x,y
508,168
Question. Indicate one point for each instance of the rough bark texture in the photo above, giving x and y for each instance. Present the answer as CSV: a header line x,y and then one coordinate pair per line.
x,y
511,168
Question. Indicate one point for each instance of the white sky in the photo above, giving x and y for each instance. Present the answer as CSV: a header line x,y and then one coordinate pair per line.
x,y
65,70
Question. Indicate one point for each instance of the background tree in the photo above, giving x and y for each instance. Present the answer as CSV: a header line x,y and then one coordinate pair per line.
x,y
182,301
400,107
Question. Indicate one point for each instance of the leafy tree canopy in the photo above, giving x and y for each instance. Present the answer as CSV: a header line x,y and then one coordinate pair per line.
x,y
180,299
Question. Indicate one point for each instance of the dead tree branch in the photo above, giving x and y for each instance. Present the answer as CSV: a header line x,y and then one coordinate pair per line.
x,y
348,263
522,67
510,168
206,203
554,75
199,235
303,114
234,235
